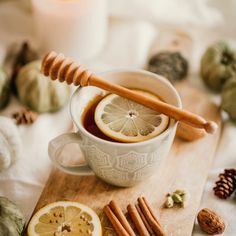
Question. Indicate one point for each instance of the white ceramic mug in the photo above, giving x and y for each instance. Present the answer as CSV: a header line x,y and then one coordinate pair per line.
x,y
121,164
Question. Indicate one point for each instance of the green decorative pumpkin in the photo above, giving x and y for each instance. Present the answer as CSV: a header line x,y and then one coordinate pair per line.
x,y
228,98
12,220
4,89
218,64
39,92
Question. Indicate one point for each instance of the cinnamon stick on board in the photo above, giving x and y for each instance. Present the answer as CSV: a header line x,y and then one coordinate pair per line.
x,y
152,220
144,220
138,222
150,209
121,217
120,230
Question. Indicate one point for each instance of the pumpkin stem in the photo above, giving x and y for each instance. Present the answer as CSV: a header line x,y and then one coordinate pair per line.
x,y
227,58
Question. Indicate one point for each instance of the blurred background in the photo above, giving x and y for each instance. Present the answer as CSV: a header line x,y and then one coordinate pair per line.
x,y
107,28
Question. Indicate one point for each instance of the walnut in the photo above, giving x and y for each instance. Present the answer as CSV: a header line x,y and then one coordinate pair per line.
x,y
210,222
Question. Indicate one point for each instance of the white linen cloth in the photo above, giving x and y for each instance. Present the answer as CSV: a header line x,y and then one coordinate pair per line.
x,y
133,30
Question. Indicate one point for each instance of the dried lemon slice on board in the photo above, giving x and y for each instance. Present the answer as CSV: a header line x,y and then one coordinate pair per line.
x,y
65,219
126,121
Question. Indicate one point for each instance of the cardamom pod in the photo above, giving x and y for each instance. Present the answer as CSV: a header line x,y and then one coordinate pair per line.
x,y
177,198
180,192
169,203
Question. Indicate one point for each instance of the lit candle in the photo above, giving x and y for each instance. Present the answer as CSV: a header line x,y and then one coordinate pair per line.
x,y
76,28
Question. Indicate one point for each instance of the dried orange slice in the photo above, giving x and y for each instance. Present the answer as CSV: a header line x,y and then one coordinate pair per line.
x,y
65,218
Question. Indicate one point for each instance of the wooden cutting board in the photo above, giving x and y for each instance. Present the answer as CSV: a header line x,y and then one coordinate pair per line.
x,y
186,167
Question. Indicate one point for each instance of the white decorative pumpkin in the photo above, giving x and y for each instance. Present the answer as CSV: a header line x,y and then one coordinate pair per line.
x,y
10,143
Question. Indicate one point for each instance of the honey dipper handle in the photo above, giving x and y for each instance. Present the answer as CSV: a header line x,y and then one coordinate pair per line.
x,y
58,67
165,108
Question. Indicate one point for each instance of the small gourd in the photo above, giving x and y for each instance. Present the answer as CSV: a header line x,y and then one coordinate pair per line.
x,y
228,98
10,143
172,65
12,220
218,64
4,89
38,92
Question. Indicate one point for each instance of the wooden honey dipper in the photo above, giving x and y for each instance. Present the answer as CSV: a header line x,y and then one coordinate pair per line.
x,y
57,66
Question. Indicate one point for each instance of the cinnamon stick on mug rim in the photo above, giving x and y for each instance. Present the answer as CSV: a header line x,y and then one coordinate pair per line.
x,y
58,67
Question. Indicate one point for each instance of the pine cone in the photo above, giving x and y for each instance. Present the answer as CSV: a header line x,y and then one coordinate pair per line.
x,y
25,117
226,185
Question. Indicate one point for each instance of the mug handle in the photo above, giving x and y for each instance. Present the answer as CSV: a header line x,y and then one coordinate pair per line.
x,y
56,145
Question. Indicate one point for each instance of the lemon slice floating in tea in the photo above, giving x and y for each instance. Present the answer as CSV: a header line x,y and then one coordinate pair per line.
x,y
126,121
65,218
